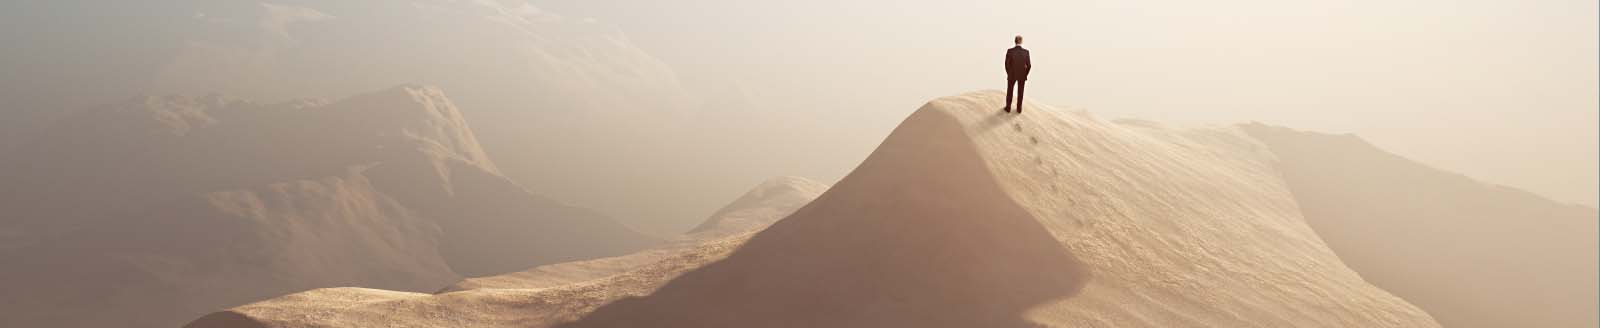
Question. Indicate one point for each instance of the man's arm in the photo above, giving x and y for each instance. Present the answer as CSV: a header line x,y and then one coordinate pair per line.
x,y
1008,62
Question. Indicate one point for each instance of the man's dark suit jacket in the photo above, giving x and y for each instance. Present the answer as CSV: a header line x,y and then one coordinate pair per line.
x,y
1018,64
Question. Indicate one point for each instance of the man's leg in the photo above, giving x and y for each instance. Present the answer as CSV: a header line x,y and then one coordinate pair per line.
x,y
1022,86
1010,86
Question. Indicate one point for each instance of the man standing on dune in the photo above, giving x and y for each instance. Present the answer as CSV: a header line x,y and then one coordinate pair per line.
x,y
1017,66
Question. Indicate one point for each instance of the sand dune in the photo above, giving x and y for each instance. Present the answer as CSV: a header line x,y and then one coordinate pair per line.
x,y
768,202
1469,253
479,307
771,200
162,209
964,217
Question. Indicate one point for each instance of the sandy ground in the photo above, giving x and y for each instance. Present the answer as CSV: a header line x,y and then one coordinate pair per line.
x,y
481,307
964,217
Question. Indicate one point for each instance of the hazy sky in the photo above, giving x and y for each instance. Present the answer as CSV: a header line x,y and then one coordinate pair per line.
x,y
658,112
1504,91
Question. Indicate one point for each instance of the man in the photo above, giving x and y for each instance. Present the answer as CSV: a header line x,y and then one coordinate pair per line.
x,y
1017,66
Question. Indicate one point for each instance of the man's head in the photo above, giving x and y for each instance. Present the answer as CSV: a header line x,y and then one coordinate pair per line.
x,y
1018,40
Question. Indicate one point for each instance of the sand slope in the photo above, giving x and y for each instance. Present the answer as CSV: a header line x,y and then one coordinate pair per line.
x,y
1470,253
158,210
963,218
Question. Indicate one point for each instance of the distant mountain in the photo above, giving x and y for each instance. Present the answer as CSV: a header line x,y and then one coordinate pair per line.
x,y
1470,253
563,103
152,212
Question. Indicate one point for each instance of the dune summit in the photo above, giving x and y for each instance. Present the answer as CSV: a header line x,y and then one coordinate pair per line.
x,y
965,218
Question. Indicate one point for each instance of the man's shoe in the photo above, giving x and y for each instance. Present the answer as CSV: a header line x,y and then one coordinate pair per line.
x,y
1007,109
